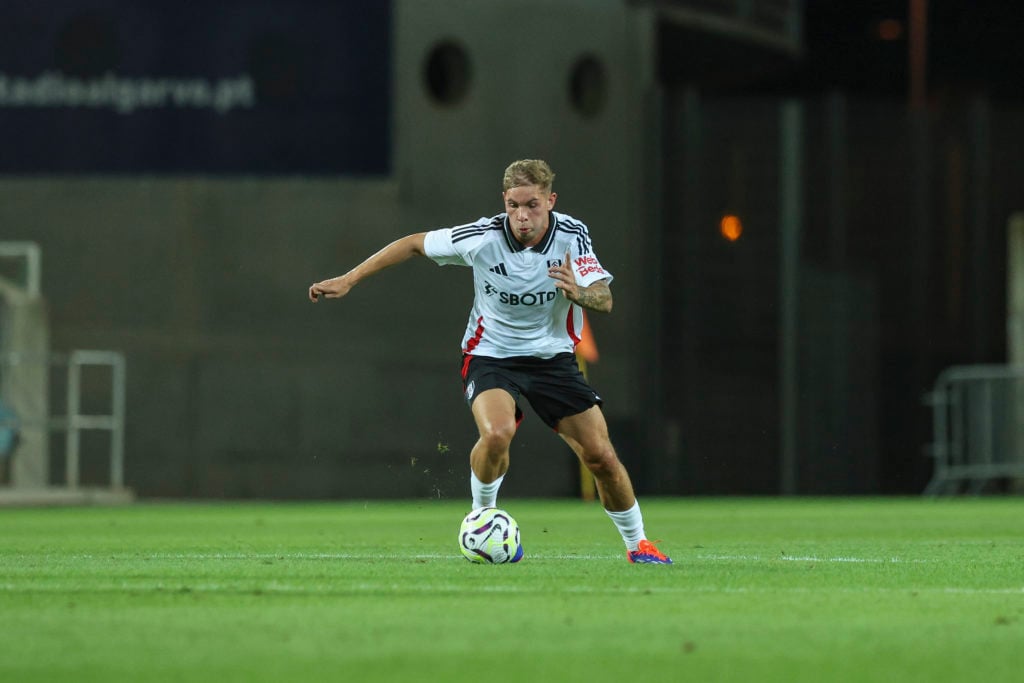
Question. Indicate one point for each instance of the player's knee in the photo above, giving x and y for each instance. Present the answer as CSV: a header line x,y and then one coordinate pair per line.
x,y
601,460
497,437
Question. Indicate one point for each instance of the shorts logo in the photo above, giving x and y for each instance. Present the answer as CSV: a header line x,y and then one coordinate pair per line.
x,y
470,388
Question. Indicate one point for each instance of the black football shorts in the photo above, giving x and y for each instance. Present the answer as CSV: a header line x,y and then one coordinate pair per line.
x,y
555,387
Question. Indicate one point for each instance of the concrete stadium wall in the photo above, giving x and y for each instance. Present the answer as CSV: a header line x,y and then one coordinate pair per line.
x,y
237,386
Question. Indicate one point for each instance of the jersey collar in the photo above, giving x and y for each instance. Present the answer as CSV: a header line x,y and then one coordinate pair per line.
x,y
542,246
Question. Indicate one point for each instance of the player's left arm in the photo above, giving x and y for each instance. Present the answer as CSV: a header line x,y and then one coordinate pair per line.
x,y
597,296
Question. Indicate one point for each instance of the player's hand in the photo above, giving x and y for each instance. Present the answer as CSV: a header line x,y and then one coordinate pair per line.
x,y
565,279
334,288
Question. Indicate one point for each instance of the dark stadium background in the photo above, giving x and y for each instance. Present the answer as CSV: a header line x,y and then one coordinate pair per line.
x,y
186,238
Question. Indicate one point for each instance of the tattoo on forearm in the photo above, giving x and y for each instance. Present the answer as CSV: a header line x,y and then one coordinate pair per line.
x,y
596,297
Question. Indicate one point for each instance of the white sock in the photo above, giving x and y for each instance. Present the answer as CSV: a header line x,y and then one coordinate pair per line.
x,y
484,495
630,524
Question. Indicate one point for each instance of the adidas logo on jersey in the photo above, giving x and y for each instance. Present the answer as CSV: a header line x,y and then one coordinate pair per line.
x,y
499,269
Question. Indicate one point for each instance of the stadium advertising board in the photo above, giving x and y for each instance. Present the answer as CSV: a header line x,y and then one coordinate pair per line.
x,y
226,86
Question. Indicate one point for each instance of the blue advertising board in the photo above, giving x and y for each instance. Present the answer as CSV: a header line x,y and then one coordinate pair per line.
x,y
218,87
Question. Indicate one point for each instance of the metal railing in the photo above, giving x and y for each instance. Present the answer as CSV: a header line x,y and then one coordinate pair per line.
x,y
977,427
114,422
74,422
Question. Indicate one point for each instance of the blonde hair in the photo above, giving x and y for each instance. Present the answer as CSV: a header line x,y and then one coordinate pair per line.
x,y
528,172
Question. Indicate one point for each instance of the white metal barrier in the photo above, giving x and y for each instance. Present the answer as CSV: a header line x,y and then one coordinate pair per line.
x,y
977,427
114,422
75,421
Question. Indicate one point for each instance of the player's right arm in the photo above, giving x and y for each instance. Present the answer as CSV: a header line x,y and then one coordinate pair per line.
x,y
398,251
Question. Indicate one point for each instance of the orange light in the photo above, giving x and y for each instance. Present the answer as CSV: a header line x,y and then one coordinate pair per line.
x,y
890,29
730,227
587,348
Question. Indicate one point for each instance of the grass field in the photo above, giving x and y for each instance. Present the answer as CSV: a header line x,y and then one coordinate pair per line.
x,y
762,590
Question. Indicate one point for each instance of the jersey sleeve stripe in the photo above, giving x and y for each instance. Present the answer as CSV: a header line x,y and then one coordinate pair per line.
x,y
473,229
583,242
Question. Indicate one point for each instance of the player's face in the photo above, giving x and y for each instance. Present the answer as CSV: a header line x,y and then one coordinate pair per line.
x,y
527,207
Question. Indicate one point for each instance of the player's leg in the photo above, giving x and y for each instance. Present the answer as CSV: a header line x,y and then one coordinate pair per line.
x,y
494,411
587,435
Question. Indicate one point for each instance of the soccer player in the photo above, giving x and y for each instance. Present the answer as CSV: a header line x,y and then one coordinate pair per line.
x,y
534,269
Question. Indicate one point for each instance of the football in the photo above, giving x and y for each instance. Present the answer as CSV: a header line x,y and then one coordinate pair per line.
x,y
490,536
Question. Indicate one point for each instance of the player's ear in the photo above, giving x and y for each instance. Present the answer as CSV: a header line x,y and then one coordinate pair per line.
x,y
551,200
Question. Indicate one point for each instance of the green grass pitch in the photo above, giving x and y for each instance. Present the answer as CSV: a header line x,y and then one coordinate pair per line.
x,y
762,590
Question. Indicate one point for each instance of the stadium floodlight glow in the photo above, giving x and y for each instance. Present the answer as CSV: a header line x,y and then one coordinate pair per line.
x,y
731,227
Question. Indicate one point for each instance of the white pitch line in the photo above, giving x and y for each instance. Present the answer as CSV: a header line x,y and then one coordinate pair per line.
x,y
365,587
301,556
810,558
451,556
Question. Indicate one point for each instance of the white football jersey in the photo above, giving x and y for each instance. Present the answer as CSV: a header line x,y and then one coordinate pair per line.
x,y
517,311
